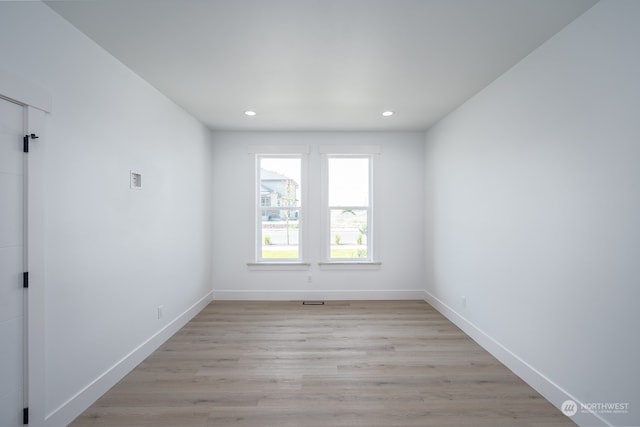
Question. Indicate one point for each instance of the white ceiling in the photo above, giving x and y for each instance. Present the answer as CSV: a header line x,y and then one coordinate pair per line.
x,y
320,64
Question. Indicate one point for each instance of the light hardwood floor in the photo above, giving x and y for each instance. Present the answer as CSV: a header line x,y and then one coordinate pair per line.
x,y
347,363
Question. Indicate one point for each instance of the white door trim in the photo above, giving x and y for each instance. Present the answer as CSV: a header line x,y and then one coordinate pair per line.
x,y
38,103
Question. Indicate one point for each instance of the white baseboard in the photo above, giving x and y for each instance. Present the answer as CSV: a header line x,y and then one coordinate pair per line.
x,y
543,385
279,295
76,405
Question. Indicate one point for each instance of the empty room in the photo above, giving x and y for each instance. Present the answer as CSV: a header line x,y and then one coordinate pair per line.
x,y
319,213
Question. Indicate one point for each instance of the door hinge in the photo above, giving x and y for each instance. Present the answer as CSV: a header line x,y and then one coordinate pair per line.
x,y
25,141
25,279
25,416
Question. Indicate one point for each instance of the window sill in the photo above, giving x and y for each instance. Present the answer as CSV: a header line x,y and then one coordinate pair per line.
x,y
278,265
350,265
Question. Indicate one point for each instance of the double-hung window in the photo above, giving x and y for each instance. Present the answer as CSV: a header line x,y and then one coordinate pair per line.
x,y
340,230
348,207
279,202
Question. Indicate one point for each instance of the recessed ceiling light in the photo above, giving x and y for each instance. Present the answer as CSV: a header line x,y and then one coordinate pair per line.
x,y
250,113
387,113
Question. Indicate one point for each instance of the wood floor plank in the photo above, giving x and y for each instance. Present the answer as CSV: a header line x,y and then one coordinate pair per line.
x,y
346,363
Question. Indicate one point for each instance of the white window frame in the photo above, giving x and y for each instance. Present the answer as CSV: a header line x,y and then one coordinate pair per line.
x,y
295,152
365,151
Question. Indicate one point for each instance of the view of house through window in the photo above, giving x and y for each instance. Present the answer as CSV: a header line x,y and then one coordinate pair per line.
x,y
349,207
279,207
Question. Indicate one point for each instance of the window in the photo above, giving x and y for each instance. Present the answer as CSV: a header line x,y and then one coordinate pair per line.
x,y
279,205
349,214
337,181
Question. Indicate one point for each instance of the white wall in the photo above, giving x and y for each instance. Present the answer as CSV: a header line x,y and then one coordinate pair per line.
x,y
533,207
112,254
399,213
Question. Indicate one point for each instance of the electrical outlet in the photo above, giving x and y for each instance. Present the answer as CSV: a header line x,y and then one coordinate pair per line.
x,y
464,301
160,311
309,279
